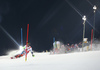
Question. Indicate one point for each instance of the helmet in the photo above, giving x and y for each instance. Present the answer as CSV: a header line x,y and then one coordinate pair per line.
x,y
28,43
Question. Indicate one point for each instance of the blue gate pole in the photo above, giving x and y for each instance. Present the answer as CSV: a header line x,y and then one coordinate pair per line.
x,y
21,38
54,44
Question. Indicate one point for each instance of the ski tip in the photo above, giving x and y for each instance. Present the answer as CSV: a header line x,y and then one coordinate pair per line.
x,y
11,57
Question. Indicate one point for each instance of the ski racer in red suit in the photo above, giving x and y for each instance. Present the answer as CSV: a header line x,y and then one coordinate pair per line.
x,y
29,49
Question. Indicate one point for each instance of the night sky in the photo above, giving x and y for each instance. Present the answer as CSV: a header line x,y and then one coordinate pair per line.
x,y
61,19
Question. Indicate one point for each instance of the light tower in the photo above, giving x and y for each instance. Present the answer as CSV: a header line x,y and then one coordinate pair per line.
x,y
84,19
94,10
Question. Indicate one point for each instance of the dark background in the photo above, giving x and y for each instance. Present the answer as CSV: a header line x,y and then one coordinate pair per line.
x,y
61,19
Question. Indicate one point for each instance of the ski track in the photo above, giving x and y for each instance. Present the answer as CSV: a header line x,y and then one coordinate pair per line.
x,y
44,61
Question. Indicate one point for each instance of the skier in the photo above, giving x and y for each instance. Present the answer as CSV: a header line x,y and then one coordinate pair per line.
x,y
29,48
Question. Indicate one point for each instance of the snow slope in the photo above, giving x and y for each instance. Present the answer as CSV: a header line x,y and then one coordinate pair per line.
x,y
45,61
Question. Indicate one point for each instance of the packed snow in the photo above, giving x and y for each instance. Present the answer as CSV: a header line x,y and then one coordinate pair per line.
x,y
45,61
